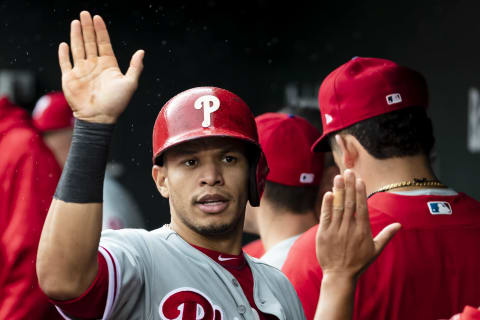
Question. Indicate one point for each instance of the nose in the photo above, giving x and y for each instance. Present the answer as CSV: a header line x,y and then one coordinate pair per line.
x,y
211,174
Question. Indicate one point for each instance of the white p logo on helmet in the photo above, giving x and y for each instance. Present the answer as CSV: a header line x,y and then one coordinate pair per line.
x,y
209,104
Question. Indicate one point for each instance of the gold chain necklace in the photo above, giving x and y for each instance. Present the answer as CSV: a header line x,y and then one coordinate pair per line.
x,y
415,182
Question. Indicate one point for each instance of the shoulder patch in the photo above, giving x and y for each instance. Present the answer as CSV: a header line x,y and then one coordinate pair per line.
x,y
439,207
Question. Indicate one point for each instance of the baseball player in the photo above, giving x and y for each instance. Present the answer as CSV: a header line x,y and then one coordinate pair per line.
x,y
375,122
207,162
25,160
330,169
287,206
53,117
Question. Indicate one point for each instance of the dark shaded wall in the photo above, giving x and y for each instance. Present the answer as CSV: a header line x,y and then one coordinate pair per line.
x,y
254,49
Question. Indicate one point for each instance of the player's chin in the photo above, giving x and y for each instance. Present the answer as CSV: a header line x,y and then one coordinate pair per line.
x,y
219,225
216,229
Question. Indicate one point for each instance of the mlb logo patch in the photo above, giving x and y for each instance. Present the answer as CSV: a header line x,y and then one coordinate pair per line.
x,y
307,177
439,207
394,98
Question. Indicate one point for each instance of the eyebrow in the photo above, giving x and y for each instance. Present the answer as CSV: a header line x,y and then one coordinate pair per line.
x,y
188,150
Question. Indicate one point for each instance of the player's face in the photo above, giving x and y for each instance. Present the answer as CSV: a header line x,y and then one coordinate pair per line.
x,y
206,182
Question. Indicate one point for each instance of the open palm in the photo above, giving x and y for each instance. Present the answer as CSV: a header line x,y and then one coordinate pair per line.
x,y
344,242
95,88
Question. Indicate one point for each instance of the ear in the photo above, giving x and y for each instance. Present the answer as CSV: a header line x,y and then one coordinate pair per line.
x,y
348,147
159,175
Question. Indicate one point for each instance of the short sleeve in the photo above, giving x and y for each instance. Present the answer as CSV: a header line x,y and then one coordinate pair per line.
x,y
127,260
91,304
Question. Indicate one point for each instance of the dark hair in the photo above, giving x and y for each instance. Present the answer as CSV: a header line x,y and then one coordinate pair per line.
x,y
295,199
406,132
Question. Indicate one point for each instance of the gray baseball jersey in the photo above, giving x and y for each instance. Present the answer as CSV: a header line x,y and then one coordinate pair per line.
x,y
157,275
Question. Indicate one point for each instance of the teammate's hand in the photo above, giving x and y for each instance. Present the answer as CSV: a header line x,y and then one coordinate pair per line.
x,y
345,246
95,88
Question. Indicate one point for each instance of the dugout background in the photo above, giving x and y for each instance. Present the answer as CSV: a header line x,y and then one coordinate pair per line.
x,y
257,48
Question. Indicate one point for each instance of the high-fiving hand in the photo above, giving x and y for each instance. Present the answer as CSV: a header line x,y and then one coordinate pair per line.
x,y
344,239
345,246
95,88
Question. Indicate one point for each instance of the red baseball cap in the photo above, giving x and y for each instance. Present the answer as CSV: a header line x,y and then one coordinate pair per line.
x,y
286,141
52,112
364,88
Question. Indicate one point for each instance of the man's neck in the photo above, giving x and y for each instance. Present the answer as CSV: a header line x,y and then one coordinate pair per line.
x,y
275,225
379,173
230,242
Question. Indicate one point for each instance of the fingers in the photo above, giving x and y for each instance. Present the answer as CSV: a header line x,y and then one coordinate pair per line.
x,y
64,58
88,32
76,41
362,216
136,66
326,212
385,236
350,196
338,200
103,39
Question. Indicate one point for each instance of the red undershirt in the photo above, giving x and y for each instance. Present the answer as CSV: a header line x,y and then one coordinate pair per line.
x,y
91,304
239,268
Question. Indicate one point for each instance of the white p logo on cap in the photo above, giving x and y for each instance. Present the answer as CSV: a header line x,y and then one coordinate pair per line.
x,y
209,104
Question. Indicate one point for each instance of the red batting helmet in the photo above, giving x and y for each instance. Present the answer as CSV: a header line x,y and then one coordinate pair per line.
x,y
210,112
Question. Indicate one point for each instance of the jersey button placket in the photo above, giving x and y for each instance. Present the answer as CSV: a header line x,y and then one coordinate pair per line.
x,y
235,282
241,309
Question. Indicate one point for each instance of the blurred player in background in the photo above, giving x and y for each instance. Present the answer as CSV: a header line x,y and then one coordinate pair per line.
x,y
28,177
330,170
287,208
53,117
312,115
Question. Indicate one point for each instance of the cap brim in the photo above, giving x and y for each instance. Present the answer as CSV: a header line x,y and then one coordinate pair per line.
x,y
321,145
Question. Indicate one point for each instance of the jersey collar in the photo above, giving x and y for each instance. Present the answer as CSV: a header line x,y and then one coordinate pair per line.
x,y
224,259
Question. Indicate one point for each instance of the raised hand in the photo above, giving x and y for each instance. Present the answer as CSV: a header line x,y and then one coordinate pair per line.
x,y
95,88
345,245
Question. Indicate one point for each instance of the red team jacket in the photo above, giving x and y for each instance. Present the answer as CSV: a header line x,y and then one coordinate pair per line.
x,y
430,270
28,177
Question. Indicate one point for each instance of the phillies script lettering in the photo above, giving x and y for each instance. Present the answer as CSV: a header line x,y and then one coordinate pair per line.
x,y
188,304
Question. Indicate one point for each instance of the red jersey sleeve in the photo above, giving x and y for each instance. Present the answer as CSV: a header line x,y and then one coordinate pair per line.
x,y
91,304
